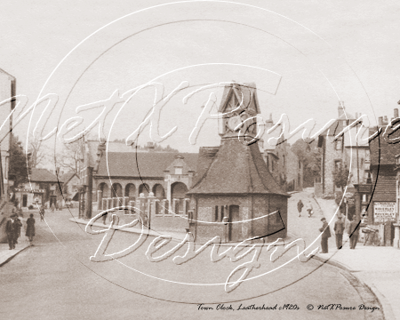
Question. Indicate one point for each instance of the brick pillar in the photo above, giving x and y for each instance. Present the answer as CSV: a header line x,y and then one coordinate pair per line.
x,y
150,208
142,208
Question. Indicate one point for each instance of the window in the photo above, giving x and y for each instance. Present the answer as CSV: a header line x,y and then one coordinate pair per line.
x,y
178,170
338,164
299,164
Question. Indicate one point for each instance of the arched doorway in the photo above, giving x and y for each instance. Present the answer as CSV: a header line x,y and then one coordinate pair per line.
x,y
130,191
145,189
116,190
178,191
158,191
234,228
103,194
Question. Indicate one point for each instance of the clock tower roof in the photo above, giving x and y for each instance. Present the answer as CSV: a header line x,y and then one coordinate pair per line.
x,y
240,94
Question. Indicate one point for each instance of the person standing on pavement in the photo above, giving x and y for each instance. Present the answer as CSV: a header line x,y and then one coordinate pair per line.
x,y
353,233
18,225
310,209
300,206
326,233
10,230
339,228
30,228
41,212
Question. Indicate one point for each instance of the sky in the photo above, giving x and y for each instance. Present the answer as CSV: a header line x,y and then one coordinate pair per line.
x,y
303,56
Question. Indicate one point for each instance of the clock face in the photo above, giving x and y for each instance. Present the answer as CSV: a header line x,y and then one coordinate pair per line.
x,y
234,123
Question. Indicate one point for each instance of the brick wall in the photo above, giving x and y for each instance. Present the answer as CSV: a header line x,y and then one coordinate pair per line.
x,y
250,208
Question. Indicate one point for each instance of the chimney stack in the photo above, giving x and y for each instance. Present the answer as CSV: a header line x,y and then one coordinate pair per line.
x,y
385,120
341,109
396,112
380,121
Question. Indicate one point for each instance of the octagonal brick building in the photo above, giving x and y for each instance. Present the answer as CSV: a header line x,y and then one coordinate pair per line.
x,y
234,196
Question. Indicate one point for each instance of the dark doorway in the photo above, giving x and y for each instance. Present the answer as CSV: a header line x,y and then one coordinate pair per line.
x,y
24,200
234,228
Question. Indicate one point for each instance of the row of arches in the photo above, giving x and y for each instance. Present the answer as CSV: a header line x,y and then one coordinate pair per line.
x,y
178,190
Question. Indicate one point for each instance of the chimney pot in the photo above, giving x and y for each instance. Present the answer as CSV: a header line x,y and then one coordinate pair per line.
x,y
396,112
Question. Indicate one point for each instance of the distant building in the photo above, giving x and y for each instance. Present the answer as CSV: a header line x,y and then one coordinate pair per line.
x,y
383,175
283,164
71,184
43,187
348,150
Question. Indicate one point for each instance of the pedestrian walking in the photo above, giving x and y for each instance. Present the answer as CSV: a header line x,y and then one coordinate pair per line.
x,y
300,206
30,228
10,230
18,225
354,231
310,210
41,212
339,228
326,233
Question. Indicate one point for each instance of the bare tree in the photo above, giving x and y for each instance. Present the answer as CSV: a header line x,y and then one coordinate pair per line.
x,y
37,152
70,156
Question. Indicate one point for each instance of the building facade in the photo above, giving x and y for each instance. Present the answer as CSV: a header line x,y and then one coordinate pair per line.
x,y
7,91
235,197
349,150
43,187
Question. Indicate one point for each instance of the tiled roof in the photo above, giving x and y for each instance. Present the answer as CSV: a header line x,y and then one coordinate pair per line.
x,y
385,155
142,164
336,127
43,175
237,169
67,176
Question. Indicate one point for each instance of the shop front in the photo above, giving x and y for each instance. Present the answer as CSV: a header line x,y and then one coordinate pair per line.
x,y
29,197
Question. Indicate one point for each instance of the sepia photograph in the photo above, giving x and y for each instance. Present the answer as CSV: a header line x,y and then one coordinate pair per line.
x,y
199,159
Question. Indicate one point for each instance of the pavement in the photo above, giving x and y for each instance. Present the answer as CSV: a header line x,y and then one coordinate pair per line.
x,y
376,266
6,254
55,279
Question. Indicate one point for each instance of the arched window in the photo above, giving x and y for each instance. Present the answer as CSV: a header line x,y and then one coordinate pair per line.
x,y
178,191
116,190
145,189
130,191
158,191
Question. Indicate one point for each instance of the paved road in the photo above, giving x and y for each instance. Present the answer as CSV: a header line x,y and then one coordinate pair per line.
x,y
56,280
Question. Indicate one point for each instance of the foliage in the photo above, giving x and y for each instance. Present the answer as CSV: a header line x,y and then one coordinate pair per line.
x,y
157,147
18,170
341,177
310,155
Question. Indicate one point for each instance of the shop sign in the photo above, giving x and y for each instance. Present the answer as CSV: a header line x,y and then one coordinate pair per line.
x,y
384,211
29,190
